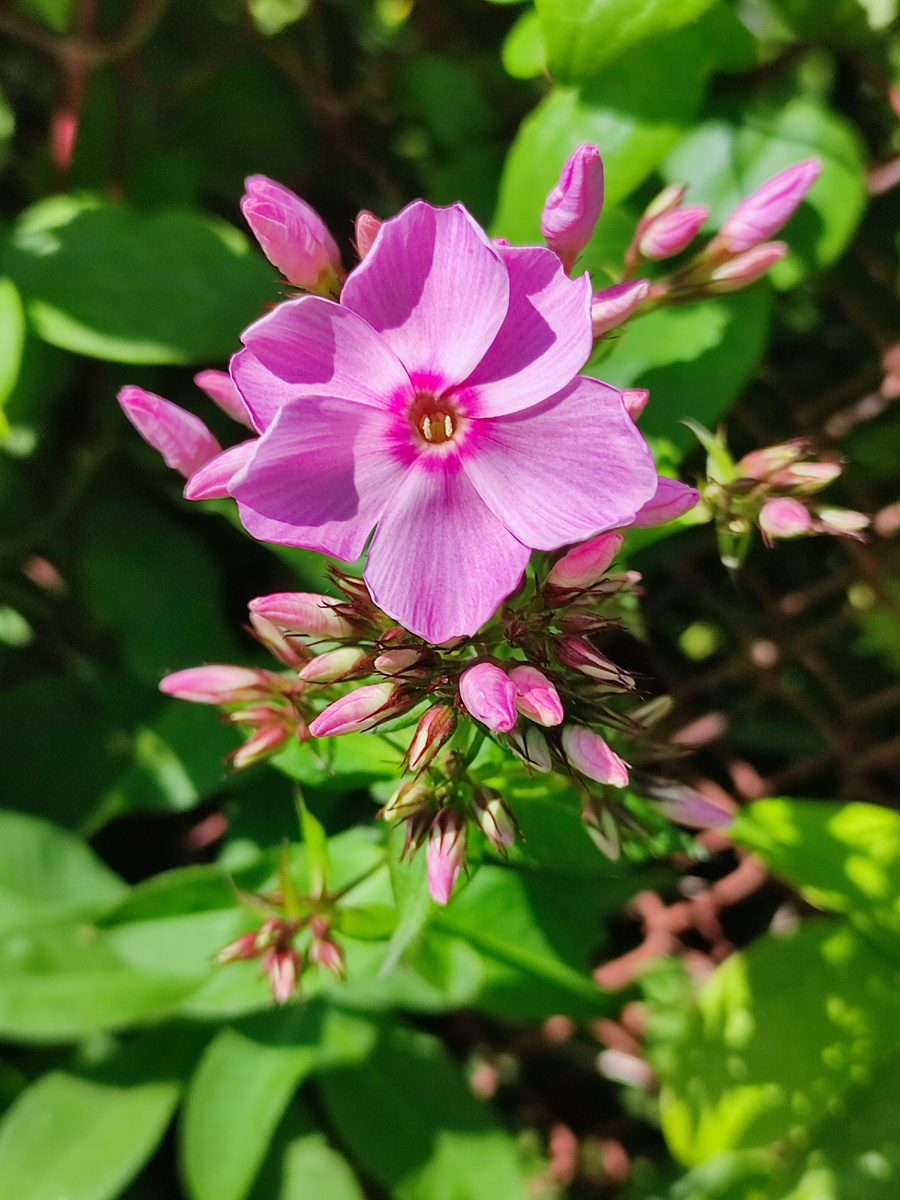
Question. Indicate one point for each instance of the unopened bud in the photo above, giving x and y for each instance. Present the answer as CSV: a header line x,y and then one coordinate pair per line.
x,y
494,817
671,500
583,565
672,231
239,950
220,387
489,695
670,197
436,727
283,970
181,438
291,652
528,743
785,518
760,464
220,684
579,655
686,806
293,236
303,612
588,753
653,711
764,211
328,954
446,853
635,401
614,305
806,477
402,660
264,742
334,664
573,206
361,709
740,272
367,226
410,798
536,697
842,520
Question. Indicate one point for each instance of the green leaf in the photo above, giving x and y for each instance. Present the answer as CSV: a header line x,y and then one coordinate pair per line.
x,y
271,16
366,922
413,1124
524,53
243,1085
583,36
354,760
315,844
46,873
174,287
12,344
844,858
80,1139
779,1033
313,1168
727,157
695,360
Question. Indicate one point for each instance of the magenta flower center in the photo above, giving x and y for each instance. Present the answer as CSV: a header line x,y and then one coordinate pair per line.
x,y
434,418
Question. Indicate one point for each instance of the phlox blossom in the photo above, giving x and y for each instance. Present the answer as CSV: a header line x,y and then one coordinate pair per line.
x,y
438,403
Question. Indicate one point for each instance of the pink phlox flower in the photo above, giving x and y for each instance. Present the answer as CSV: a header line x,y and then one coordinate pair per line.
x,y
438,402
489,695
536,696
574,204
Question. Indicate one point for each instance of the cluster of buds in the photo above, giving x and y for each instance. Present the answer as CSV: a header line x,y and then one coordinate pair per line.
x,y
772,489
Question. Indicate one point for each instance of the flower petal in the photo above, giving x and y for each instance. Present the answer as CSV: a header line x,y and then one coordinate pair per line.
x,y
564,470
213,478
670,500
436,290
324,349
544,341
440,562
320,476
262,392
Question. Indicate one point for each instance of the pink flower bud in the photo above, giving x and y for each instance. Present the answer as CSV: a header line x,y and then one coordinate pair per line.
x,y
672,499
445,855
588,753
528,743
334,664
764,211
220,684
670,197
367,226
489,695
536,697
616,304
359,710
806,477
303,612
573,206
785,518
579,655
842,520
291,652
283,970
686,806
672,231
181,438
219,387
436,727
401,660
494,817
410,799
264,742
328,954
746,268
239,950
212,480
293,236
583,565
760,464
635,401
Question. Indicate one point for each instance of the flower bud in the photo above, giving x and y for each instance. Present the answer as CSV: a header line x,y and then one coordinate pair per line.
x,y
494,818
842,520
264,742
436,727
489,695
367,226
211,481
293,236
446,853
672,231
291,652
283,970
764,211
303,612
410,798
579,655
588,753
616,304
670,197
672,499
334,664
328,954
760,464
583,565
181,438
536,697
686,806
360,709
573,206
401,660
746,268
220,388
635,401
220,684
806,477
785,518
239,950
528,743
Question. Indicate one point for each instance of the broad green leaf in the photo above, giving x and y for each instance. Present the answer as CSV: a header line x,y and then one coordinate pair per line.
x,y
79,1139
366,922
583,36
524,53
415,907
342,763
412,1123
315,843
844,858
312,1168
98,279
271,16
55,13
695,360
779,1033
243,1084
46,872
12,344
729,155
